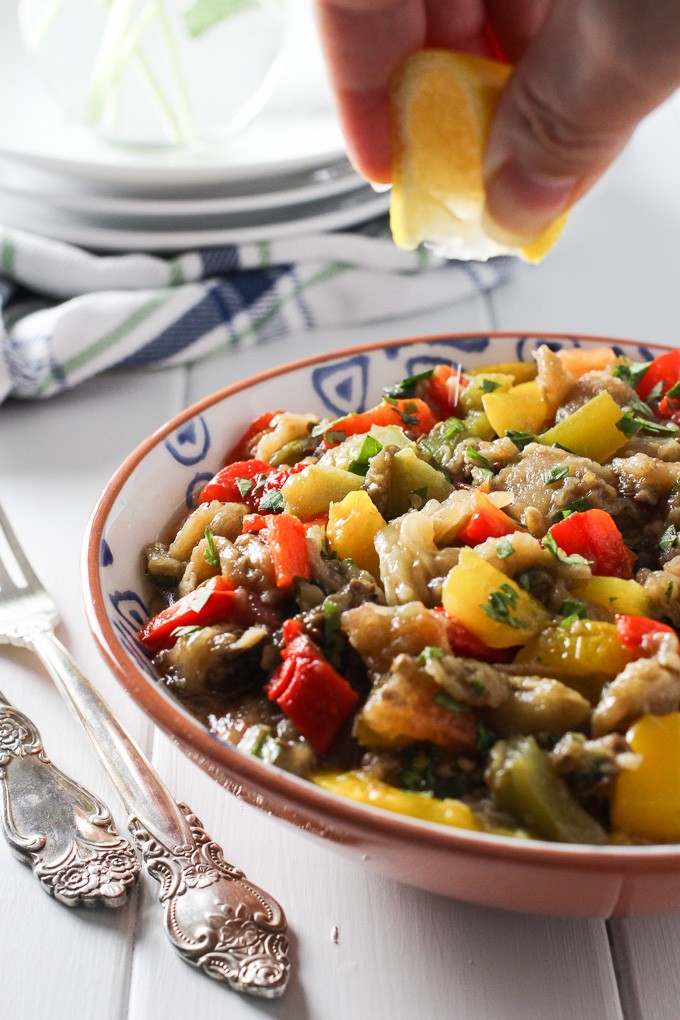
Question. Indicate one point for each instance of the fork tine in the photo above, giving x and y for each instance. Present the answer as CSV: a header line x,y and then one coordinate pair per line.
x,y
22,567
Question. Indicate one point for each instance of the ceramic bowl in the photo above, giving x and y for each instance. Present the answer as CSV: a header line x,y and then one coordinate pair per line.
x,y
148,490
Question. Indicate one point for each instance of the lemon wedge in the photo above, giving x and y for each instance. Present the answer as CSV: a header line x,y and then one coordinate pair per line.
x,y
442,104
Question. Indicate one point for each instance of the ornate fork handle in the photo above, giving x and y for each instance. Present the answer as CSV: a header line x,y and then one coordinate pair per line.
x,y
55,825
216,919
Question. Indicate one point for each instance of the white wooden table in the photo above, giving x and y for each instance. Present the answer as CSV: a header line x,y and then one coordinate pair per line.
x,y
362,947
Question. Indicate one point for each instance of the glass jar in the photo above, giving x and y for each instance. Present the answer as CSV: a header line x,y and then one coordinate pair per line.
x,y
157,72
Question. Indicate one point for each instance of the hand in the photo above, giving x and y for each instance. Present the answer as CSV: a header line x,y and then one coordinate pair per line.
x,y
586,72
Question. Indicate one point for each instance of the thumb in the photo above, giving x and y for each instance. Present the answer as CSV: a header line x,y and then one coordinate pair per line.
x,y
575,97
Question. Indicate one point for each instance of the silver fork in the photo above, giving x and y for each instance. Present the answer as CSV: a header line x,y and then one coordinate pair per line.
x,y
215,918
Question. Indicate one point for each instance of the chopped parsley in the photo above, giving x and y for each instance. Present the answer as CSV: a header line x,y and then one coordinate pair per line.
x,y
486,738
186,629
407,414
271,501
369,449
244,485
520,439
669,539
631,371
640,406
446,701
407,386
488,385
428,653
332,633
526,578
576,506
209,553
478,458
504,548
555,474
551,545
478,688
502,604
630,424
573,608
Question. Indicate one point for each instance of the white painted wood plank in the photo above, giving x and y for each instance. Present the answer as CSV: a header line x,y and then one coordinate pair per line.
x,y
54,459
647,960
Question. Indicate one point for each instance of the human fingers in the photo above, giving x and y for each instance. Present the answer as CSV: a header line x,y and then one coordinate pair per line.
x,y
364,42
594,70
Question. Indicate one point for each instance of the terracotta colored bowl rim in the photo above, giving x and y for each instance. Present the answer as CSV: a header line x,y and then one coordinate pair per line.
x,y
259,779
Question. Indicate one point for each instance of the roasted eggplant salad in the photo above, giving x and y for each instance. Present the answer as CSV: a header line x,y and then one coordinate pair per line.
x,y
461,605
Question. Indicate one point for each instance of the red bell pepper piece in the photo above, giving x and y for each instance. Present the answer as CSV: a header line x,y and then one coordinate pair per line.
x,y
665,370
316,699
594,534
444,388
410,413
228,484
468,646
286,537
487,521
224,486
243,449
635,631
212,602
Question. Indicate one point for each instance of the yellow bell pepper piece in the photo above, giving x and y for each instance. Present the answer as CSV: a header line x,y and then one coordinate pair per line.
x,y
367,790
616,594
311,492
352,526
521,371
472,395
521,408
490,604
646,801
584,656
591,431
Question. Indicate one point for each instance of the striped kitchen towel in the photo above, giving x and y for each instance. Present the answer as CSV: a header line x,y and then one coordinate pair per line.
x,y
67,314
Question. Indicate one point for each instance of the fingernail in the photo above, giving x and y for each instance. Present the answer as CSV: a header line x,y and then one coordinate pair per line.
x,y
520,206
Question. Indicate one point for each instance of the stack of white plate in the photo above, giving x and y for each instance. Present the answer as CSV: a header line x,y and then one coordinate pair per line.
x,y
284,175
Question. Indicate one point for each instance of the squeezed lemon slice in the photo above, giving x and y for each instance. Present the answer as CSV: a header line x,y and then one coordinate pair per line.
x,y
442,104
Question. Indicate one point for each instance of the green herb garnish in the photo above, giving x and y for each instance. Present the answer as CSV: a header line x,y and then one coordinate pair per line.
x,y
502,604
271,501
209,554
504,548
668,539
559,554
446,701
488,385
407,386
576,506
574,608
186,629
520,439
631,371
369,449
407,414
555,474
244,485
428,653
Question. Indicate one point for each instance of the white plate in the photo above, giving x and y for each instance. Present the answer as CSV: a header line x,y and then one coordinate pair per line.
x,y
107,238
48,190
296,131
